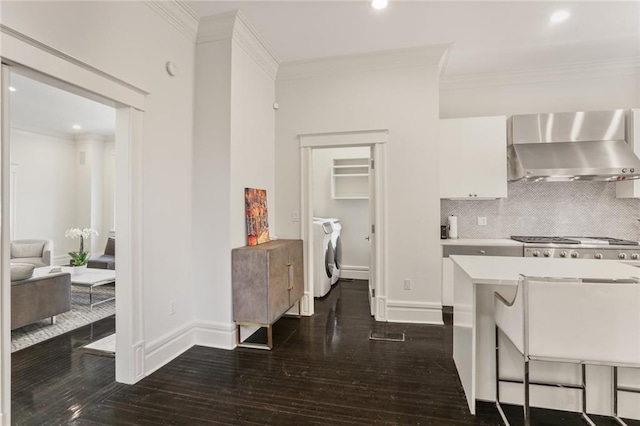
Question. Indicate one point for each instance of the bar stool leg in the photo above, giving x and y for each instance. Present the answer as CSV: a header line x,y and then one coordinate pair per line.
x,y
584,395
615,397
498,406
527,408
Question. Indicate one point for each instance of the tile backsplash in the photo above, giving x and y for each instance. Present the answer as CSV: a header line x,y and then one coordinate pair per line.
x,y
549,208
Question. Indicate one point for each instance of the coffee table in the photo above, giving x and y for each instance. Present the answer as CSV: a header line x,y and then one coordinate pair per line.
x,y
86,277
92,277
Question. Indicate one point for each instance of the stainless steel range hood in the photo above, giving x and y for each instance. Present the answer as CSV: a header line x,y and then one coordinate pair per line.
x,y
570,146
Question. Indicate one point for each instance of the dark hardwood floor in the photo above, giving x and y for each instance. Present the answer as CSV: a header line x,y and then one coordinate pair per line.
x,y
322,370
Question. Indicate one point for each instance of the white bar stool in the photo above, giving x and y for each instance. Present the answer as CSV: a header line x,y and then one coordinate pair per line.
x,y
581,321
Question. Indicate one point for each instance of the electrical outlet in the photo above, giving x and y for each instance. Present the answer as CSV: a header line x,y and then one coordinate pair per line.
x,y
482,220
295,216
407,284
172,307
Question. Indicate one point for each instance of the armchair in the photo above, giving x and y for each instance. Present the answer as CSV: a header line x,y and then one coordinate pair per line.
x,y
106,260
37,252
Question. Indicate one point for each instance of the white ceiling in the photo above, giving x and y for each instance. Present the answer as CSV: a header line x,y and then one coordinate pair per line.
x,y
39,106
487,36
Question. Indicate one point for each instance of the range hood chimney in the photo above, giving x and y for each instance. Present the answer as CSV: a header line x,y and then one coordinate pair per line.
x,y
570,146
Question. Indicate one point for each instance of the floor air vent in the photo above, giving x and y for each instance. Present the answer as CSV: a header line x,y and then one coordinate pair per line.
x,y
387,337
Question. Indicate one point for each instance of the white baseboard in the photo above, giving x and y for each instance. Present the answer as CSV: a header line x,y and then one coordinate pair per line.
x,y
354,272
214,334
414,312
168,347
203,333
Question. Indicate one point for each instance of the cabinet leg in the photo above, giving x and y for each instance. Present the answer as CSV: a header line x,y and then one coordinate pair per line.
x,y
242,344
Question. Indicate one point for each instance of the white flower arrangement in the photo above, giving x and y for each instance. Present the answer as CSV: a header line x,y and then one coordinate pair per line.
x,y
80,257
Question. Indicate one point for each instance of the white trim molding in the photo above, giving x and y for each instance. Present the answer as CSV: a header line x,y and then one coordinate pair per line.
x,y
582,71
17,48
372,138
414,312
202,333
354,272
306,305
164,349
214,334
351,138
235,26
179,14
374,61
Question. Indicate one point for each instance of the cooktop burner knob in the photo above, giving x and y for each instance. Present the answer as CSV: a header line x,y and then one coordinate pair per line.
x,y
547,253
598,256
536,253
563,254
622,256
574,254
635,256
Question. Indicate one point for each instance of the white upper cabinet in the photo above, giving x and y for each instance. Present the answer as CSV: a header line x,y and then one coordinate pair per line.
x,y
631,188
473,158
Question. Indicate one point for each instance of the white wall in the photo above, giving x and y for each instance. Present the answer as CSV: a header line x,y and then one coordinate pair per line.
x,y
353,214
233,149
132,41
45,188
252,139
340,97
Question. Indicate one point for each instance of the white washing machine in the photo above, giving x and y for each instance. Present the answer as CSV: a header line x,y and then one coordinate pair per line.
x,y
323,257
336,242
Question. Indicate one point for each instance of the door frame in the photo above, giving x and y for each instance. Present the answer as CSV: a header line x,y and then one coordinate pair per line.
x,y
37,60
366,138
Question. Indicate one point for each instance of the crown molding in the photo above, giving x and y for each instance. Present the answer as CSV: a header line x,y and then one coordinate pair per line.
x,y
216,27
582,71
235,26
250,40
373,61
177,13
24,128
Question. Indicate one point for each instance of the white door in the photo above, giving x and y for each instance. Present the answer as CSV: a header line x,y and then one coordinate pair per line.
x,y
372,234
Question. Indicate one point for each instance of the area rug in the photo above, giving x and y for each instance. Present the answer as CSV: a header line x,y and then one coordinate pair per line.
x,y
79,315
103,347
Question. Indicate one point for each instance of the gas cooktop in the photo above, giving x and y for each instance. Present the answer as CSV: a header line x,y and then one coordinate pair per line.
x,y
574,240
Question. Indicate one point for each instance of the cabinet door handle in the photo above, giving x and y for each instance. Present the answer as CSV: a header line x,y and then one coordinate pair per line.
x,y
290,276
482,252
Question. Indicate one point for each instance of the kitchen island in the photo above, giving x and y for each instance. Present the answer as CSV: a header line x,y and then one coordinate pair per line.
x,y
476,279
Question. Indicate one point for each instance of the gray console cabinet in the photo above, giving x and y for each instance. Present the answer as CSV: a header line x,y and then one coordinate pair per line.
x,y
268,280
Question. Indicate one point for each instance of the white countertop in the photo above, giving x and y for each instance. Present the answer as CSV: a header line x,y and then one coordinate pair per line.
x,y
481,242
507,270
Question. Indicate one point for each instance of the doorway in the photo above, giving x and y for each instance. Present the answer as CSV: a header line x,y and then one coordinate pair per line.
x,y
365,184
127,102
342,226
62,154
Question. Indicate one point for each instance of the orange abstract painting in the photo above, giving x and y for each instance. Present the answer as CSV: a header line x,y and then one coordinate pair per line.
x,y
255,201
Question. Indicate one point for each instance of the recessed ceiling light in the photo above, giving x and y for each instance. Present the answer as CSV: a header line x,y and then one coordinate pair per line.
x,y
76,127
379,4
559,16
12,89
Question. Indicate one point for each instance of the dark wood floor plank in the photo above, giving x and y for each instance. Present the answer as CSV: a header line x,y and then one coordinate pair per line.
x,y
323,370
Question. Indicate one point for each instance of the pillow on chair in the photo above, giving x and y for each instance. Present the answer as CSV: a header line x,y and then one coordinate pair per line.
x,y
21,271
19,250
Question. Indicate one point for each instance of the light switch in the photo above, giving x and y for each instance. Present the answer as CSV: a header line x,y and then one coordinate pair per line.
x,y
295,216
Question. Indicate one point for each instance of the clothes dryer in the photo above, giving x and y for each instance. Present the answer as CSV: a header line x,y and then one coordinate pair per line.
x,y
336,243
323,260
